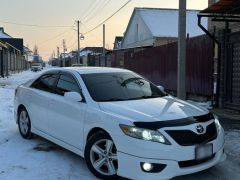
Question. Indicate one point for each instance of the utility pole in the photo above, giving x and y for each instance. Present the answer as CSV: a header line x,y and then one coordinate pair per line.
x,y
58,56
78,51
104,53
181,87
64,49
58,53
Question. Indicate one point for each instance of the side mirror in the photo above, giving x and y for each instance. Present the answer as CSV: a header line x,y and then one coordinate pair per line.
x,y
161,88
73,96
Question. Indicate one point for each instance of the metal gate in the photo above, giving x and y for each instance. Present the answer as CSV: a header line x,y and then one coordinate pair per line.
x,y
233,70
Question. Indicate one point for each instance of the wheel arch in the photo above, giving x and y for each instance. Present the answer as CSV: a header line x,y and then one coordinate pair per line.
x,y
94,131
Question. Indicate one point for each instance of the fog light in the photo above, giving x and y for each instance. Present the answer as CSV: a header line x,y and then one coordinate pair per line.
x,y
147,166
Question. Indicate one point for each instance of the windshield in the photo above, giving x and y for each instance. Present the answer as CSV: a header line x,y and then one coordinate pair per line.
x,y
120,86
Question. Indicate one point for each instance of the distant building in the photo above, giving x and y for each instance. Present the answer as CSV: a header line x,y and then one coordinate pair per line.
x,y
155,27
28,54
90,51
118,42
11,54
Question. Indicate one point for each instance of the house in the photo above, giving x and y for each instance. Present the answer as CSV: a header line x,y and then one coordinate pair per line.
x,y
28,54
90,51
155,27
224,29
12,58
118,42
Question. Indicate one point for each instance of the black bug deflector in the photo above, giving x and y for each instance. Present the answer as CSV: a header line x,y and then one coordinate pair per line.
x,y
173,123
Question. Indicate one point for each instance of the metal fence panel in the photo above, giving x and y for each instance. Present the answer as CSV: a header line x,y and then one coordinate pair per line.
x,y
159,64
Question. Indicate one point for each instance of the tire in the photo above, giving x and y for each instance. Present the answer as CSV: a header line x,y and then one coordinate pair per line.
x,y
101,156
24,124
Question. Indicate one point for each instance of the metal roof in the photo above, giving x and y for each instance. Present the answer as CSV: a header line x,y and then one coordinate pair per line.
x,y
228,7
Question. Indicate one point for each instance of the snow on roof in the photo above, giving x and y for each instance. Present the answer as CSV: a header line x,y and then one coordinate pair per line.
x,y
3,34
164,22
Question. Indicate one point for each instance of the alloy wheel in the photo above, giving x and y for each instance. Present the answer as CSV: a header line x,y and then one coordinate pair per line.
x,y
103,156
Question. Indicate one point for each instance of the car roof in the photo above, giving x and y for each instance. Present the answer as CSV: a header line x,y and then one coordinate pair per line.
x,y
89,70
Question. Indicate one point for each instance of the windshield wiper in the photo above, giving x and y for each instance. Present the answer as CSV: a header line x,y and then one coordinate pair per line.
x,y
112,99
144,97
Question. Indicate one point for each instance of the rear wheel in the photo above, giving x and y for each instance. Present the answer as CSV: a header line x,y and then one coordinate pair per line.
x,y
101,156
24,124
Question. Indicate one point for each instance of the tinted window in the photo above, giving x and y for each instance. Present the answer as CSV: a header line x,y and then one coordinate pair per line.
x,y
120,87
46,82
66,83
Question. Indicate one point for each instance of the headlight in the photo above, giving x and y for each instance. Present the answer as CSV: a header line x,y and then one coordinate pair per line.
x,y
218,125
144,134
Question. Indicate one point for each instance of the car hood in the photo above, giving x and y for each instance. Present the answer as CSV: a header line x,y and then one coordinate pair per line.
x,y
155,109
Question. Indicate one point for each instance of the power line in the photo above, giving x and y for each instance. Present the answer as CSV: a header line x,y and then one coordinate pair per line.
x,y
55,36
108,18
101,7
89,9
34,25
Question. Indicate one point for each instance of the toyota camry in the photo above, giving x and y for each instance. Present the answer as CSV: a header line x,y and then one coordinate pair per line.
x,y
121,123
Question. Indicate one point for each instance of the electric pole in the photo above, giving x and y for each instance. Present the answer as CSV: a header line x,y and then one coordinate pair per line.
x,y
58,53
78,51
104,53
64,49
181,84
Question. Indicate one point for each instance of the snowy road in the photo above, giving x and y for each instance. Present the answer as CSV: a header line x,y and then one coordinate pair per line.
x,y
40,159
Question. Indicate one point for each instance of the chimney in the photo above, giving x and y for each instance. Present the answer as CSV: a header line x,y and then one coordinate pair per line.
x,y
2,29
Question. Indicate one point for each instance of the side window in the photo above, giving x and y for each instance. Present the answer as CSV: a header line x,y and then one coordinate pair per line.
x,y
45,82
67,83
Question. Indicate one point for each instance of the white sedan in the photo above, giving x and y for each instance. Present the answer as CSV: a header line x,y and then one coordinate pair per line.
x,y
122,124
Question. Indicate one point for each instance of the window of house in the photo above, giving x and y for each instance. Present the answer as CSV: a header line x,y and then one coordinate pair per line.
x,y
136,34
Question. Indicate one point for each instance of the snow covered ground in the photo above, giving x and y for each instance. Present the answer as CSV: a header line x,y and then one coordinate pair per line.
x,y
40,159
36,159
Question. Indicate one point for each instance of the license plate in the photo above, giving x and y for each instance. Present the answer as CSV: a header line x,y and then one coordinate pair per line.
x,y
203,151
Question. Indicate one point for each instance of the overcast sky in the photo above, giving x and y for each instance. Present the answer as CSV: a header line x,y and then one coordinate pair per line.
x,y
65,12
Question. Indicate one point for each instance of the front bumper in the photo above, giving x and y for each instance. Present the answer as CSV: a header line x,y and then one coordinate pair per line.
x,y
131,155
129,166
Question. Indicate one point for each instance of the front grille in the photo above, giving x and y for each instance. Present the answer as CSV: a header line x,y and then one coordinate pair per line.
x,y
190,138
189,163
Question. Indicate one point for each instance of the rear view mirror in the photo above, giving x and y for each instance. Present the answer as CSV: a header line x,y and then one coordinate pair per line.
x,y
73,96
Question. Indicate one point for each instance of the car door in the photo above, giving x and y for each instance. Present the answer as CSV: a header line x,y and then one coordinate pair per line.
x,y
41,89
67,117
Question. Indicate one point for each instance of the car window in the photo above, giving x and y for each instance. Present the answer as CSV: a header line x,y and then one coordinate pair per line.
x,y
67,83
120,86
46,82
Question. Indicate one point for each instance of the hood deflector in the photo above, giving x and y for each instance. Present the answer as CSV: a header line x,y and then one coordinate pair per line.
x,y
173,123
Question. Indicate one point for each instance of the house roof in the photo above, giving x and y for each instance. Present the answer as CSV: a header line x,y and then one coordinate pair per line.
x,y
164,22
224,7
3,34
93,49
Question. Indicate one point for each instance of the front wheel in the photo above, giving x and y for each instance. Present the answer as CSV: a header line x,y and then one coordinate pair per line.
x,y
24,124
101,156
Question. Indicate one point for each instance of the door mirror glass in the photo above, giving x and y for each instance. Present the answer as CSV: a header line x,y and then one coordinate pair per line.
x,y
73,96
